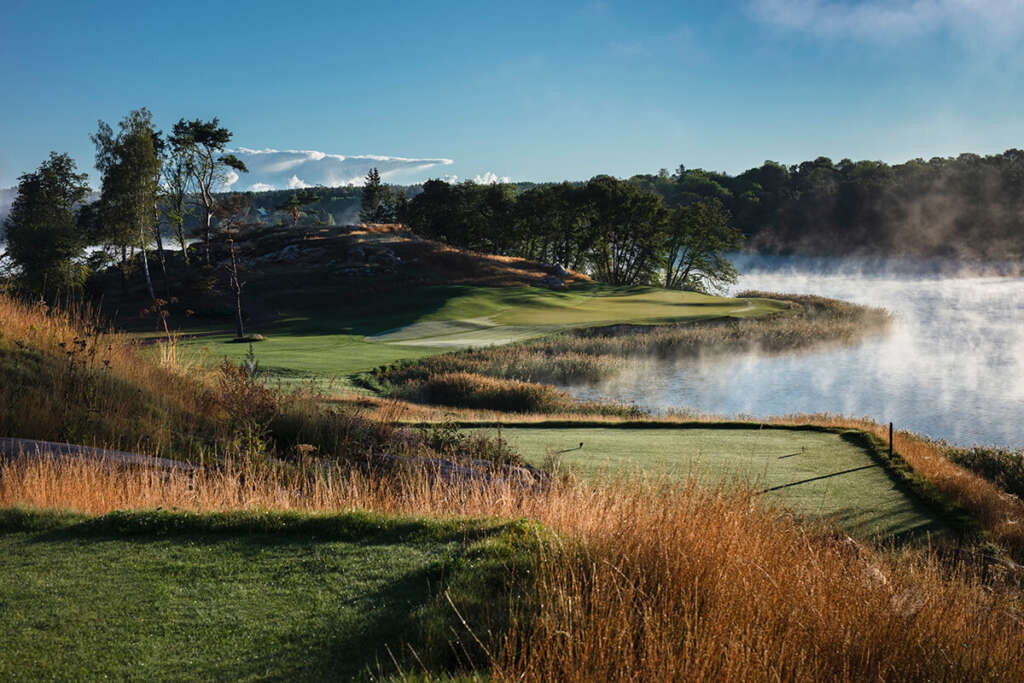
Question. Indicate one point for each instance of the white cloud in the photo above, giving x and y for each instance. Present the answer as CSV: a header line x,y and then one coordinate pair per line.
x,y
490,178
281,169
894,19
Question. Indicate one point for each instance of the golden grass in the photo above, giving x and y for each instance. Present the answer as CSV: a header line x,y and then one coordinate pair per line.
x,y
640,581
66,377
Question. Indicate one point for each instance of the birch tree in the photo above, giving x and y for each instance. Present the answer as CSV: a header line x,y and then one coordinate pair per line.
x,y
129,165
202,144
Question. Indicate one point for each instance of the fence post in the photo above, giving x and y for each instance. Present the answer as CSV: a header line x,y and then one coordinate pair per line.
x,y
890,441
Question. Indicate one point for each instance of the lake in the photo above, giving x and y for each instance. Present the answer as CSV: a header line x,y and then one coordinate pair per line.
x,y
951,367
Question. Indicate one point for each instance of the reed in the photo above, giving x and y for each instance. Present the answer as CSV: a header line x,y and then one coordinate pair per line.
x,y
636,580
598,354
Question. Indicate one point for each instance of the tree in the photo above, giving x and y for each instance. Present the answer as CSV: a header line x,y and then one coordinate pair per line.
x,y
130,167
377,205
202,144
174,188
232,210
294,204
43,239
236,289
627,224
697,239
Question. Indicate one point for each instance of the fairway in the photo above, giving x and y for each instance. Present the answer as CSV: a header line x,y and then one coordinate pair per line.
x,y
335,340
151,596
817,474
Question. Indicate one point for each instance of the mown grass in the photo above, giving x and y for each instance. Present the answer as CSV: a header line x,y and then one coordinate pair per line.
x,y
632,580
639,580
817,474
518,375
329,341
242,596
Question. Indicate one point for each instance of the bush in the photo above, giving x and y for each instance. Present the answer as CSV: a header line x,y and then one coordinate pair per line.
x,y
1001,466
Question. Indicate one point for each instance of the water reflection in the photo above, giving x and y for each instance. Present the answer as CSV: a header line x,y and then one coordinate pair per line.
x,y
952,366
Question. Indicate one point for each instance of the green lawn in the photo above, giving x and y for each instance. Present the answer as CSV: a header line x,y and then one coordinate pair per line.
x,y
341,339
818,474
160,596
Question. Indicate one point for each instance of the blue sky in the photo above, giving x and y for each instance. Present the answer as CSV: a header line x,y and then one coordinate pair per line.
x,y
528,90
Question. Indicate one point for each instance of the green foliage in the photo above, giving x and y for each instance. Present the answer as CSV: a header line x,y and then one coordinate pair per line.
x,y
628,228
377,205
1002,466
200,144
617,231
130,167
294,204
698,237
969,206
43,239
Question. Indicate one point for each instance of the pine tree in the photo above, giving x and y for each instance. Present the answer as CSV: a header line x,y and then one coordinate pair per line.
x,y
377,204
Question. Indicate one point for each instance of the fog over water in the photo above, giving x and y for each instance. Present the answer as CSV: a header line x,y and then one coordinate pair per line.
x,y
952,366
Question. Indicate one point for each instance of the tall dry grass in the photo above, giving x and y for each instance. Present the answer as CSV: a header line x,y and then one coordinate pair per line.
x,y
638,581
68,377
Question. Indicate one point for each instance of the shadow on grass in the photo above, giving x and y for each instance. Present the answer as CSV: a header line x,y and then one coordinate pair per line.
x,y
262,528
382,608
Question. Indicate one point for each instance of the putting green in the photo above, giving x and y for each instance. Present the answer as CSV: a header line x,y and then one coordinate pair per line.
x,y
817,474
333,340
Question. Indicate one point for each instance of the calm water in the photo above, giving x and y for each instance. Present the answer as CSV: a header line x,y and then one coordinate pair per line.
x,y
952,366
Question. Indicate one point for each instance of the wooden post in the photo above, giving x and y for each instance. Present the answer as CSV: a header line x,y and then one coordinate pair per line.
x,y
890,440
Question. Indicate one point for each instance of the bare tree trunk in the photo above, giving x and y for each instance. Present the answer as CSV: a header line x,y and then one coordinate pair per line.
x,y
236,287
145,266
163,258
206,231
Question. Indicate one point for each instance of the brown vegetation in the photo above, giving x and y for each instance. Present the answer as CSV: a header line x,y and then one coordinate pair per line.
x,y
640,581
636,580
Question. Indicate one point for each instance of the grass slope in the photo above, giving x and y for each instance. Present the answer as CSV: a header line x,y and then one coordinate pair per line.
x,y
336,339
817,474
160,596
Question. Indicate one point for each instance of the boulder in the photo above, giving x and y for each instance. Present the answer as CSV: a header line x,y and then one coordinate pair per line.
x,y
552,282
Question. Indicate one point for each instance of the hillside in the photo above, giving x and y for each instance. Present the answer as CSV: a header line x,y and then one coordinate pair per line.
x,y
309,268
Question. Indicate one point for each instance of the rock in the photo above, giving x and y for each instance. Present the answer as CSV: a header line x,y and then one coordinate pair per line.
x,y
289,253
562,272
385,257
552,282
357,254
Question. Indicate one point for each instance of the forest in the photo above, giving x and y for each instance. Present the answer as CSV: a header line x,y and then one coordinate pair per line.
x,y
969,207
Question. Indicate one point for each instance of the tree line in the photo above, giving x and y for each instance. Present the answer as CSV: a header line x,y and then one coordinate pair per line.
x,y
617,231
970,206
147,179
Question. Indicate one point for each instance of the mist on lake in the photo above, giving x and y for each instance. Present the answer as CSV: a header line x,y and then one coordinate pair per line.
x,y
951,366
